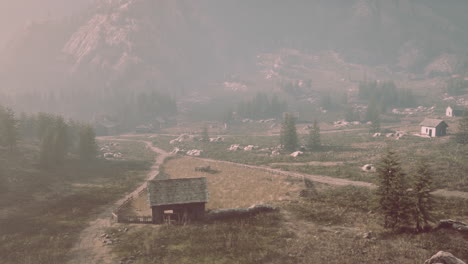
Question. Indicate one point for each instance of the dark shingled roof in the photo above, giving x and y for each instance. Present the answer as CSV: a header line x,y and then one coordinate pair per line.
x,y
432,122
177,191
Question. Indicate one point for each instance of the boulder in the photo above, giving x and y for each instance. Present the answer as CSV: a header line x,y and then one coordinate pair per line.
x,y
249,148
457,225
234,147
443,257
368,168
217,139
108,155
194,152
182,138
176,151
296,154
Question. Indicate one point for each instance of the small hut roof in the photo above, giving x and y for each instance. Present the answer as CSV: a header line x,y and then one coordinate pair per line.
x,y
428,122
177,191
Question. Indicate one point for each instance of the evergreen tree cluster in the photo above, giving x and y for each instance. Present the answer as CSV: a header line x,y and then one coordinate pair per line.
x,y
56,137
404,200
313,141
462,136
261,107
129,107
386,94
8,128
456,86
295,87
288,137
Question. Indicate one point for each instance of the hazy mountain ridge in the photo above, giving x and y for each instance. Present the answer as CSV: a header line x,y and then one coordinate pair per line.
x,y
179,45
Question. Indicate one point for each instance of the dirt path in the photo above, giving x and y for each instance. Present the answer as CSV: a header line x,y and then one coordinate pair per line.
x,y
332,180
90,249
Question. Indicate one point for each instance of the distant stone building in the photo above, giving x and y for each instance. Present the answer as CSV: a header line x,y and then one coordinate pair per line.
x,y
433,127
177,199
454,111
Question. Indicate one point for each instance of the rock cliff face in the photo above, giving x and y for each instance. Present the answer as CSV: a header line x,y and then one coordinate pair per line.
x,y
180,45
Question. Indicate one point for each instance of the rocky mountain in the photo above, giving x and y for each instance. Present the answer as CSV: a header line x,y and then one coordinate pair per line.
x,y
123,46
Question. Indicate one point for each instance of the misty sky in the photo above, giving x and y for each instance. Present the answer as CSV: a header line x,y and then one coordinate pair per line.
x,y
15,13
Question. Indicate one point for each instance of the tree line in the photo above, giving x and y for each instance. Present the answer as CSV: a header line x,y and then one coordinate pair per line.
x,y
261,106
56,136
386,94
402,199
128,108
289,139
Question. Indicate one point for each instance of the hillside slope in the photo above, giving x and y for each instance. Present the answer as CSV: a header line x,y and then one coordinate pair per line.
x,y
179,46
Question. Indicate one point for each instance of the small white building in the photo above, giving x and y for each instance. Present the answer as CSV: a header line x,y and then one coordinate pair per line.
x,y
433,127
454,111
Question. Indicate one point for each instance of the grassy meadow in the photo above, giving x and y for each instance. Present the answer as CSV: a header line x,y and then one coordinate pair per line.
x,y
42,212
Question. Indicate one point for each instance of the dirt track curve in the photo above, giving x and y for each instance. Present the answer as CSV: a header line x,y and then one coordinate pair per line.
x,y
90,249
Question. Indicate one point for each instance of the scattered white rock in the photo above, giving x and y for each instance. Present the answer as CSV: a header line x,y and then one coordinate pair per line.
x,y
177,151
182,138
377,135
249,148
217,139
368,168
234,147
275,153
194,152
296,154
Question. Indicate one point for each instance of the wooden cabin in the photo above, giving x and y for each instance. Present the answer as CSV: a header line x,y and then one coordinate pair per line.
x,y
433,127
177,200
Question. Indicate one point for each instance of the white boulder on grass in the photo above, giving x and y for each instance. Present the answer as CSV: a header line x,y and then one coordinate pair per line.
x,y
368,168
296,154
182,138
234,147
194,152
249,148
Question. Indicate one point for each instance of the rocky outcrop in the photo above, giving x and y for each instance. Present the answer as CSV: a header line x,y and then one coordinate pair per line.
x,y
452,224
443,257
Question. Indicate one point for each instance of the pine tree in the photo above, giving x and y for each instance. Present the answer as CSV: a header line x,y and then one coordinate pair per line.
x,y
60,140
288,137
87,145
204,134
375,125
47,149
393,199
313,142
9,133
462,136
422,198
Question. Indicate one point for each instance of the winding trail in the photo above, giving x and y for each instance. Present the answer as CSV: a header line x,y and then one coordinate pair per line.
x,y
332,180
90,249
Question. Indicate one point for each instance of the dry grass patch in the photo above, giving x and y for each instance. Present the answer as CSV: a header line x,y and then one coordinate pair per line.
x,y
234,186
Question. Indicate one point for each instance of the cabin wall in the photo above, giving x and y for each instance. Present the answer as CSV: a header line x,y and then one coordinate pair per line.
x,y
193,211
428,131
